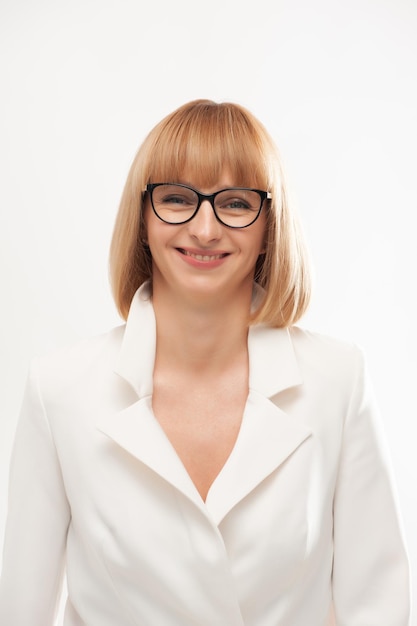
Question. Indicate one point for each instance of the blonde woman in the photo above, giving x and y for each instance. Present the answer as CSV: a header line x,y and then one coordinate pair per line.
x,y
208,463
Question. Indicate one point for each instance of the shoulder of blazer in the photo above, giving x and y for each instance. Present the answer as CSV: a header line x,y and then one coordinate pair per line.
x,y
330,359
321,345
76,360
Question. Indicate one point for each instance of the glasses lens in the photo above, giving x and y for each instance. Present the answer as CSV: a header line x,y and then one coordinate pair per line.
x,y
173,203
237,207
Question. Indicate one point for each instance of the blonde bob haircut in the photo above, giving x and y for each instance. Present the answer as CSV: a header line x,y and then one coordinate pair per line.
x,y
205,139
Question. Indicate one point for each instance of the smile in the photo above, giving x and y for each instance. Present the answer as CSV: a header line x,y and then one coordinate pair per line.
x,y
203,257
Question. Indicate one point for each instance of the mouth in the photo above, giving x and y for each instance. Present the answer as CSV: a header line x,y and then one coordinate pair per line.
x,y
203,257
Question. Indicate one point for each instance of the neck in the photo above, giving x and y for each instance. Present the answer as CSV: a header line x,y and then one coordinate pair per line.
x,y
200,337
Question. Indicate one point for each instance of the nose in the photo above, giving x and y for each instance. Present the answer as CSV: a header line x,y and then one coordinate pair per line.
x,y
204,226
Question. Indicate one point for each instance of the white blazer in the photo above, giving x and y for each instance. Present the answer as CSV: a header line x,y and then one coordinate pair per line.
x,y
301,516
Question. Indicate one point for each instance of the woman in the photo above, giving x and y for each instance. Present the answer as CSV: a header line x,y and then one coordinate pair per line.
x,y
208,463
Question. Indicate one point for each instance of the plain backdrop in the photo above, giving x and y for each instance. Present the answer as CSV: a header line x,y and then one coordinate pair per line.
x,y
335,82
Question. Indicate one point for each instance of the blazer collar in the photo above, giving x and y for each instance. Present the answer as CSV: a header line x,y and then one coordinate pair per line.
x,y
137,353
272,362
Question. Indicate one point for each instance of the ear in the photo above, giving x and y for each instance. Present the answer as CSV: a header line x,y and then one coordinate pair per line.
x,y
264,240
143,232
143,219
144,235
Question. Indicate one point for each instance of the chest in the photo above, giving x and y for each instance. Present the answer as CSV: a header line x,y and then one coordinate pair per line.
x,y
202,425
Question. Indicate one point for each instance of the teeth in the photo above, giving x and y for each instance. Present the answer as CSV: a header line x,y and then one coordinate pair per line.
x,y
204,257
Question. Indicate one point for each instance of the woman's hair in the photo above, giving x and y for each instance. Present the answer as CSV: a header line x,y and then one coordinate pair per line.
x,y
205,139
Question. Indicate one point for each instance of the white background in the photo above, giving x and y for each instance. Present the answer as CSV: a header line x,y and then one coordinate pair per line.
x,y
335,82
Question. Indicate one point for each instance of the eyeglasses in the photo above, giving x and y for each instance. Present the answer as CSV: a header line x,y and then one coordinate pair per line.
x,y
236,207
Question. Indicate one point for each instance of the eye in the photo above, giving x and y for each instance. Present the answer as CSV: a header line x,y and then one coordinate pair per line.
x,y
235,202
175,199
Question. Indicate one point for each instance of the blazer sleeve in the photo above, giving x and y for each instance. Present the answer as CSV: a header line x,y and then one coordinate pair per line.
x,y
37,521
370,569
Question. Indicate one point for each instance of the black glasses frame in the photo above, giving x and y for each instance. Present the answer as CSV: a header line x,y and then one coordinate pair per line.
x,y
263,195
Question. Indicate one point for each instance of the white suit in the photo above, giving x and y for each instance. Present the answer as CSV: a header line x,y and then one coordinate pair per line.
x,y
301,515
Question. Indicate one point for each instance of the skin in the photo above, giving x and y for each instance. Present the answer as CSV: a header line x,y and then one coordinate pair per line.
x,y
202,307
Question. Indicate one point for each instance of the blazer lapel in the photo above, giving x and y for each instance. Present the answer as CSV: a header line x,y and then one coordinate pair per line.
x,y
268,436
137,431
135,428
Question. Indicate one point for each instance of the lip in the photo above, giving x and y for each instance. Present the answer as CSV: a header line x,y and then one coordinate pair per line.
x,y
203,259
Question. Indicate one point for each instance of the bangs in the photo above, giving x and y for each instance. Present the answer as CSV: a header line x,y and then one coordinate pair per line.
x,y
201,144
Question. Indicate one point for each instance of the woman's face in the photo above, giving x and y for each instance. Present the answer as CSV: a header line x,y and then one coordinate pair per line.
x,y
204,258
